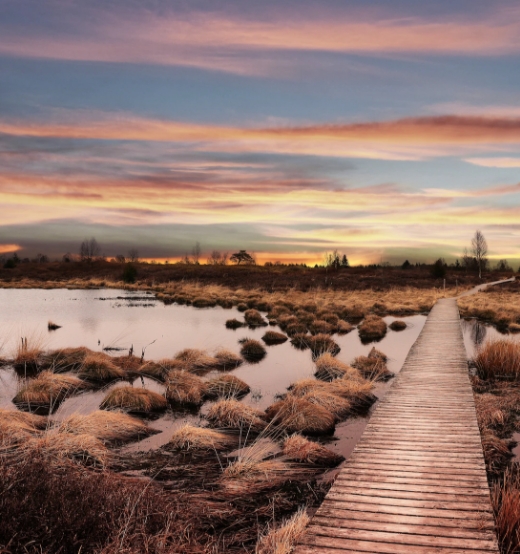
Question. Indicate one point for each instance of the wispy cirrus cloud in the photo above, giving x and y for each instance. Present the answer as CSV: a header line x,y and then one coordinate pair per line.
x,y
221,41
503,163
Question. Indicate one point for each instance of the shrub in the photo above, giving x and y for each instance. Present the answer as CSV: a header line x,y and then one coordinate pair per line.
x,y
129,274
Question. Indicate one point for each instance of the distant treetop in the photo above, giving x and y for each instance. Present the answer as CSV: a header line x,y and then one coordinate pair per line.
x,y
242,257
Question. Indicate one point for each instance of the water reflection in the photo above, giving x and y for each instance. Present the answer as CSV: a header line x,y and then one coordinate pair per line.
x,y
476,333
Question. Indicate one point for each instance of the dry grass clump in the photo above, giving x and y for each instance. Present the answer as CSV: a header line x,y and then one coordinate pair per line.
x,y
372,328
514,328
322,344
373,368
281,540
252,350
329,368
498,359
226,386
184,389
85,449
157,370
295,329
320,326
497,452
398,325
99,368
65,359
227,360
300,449
299,415
204,302
28,359
46,391
231,414
357,392
190,438
300,341
108,427
338,406
17,427
273,337
344,327
195,360
134,400
234,323
287,319
505,498
254,318
249,476
375,353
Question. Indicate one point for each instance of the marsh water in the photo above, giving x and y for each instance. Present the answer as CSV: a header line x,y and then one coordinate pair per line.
x,y
120,319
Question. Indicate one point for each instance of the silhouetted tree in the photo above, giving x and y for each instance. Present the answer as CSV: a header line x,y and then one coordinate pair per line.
x,y
439,268
89,249
242,257
406,264
503,265
344,261
479,249
195,252
133,255
217,258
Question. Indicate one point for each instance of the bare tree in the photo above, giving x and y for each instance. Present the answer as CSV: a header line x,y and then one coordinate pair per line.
x,y
89,250
217,258
479,250
195,252
133,255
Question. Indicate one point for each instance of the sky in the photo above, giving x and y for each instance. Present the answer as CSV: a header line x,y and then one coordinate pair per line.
x,y
385,130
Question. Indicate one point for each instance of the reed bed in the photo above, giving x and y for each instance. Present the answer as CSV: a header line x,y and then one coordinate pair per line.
x,y
134,400
501,307
252,350
99,368
282,539
373,328
328,368
108,427
505,498
226,386
232,414
47,391
273,337
299,415
498,359
190,438
298,448
184,389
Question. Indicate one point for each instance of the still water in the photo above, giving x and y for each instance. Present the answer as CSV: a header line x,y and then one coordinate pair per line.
x,y
121,319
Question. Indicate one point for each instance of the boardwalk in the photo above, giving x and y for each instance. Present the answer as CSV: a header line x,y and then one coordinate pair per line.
x,y
416,482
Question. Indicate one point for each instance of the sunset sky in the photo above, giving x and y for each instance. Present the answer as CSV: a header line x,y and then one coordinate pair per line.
x,y
387,130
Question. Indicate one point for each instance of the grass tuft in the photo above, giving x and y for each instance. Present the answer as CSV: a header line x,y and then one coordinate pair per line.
x,y
134,400
498,359
300,449
184,389
252,350
190,438
299,415
99,368
231,414
226,386
373,328
273,337
281,540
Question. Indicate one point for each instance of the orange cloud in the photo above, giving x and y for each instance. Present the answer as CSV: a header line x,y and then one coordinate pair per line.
x,y
504,163
9,248
402,139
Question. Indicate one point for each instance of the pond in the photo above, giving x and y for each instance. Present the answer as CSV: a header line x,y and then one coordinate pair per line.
x,y
120,319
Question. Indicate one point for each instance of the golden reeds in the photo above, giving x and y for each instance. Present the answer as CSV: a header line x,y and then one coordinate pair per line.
x,y
252,350
281,540
321,344
498,359
17,427
46,391
299,415
190,438
320,326
226,386
273,337
300,449
340,407
108,427
249,476
184,389
98,367
328,368
372,328
373,368
85,449
195,360
157,370
134,400
505,497
231,414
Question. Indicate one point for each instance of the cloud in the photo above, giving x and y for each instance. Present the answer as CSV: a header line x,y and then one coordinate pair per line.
x,y
503,163
218,41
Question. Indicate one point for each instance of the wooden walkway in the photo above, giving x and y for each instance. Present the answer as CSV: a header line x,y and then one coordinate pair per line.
x,y
416,482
